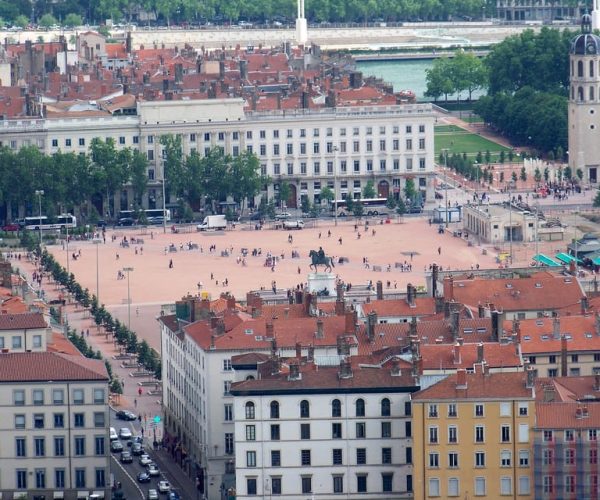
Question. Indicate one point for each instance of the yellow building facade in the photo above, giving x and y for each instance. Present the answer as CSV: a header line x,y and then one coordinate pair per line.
x,y
473,437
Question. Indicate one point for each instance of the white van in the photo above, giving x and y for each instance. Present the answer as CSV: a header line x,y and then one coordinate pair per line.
x,y
113,434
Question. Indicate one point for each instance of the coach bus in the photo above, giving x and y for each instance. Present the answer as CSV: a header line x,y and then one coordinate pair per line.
x,y
371,206
59,222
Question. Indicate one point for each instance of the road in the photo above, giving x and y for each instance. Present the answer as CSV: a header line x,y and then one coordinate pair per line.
x,y
127,473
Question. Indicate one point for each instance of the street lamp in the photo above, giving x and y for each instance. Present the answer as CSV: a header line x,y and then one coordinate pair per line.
x,y
97,243
445,151
39,193
510,234
335,198
164,200
128,270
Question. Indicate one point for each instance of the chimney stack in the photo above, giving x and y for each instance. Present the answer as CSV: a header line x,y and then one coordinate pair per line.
x,y
311,353
340,306
412,330
379,290
320,333
270,330
395,371
495,325
455,323
556,328
530,381
350,323
371,322
345,369
461,378
456,351
584,305
480,357
294,372
298,351
434,278
448,288
563,356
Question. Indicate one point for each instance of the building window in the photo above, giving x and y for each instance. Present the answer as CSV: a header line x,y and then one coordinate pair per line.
x,y
361,430
523,458
38,421
433,411
569,484
78,397
337,456
569,456
99,447
505,458
547,436
59,478
338,484
548,456
434,460
20,447
306,484
479,410
592,435
59,446
79,420
361,483
336,430
250,459
250,433
505,486
274,407
593,456
387,482
480,486
386,455
304,409
37,341
479,459
68,143
275,458
227,365
452,434
433,435
276,485
40,446
21,479
361,456
434,487
100,478
336,408
80,446
19,397
453,459
569,435
229,443
505,434
228,409
99,396
479,434
59,420
19,421
304,431
251,485
360,407
38,397
250,410
99,419
275,432
452,410
226,387
386,429
548,484
523,409
453,487
305,457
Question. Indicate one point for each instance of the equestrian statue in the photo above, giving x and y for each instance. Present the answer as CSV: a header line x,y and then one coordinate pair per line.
x,y
318,258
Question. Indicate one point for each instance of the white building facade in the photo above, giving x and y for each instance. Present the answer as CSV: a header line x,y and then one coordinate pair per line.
x,y
55,426
342,148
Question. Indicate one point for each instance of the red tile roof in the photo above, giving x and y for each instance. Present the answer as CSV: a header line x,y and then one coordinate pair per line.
x,y
13,305
44,366
424,306
541,291
60,343
25,321
537,334
442,356
569,389
510,385
560,415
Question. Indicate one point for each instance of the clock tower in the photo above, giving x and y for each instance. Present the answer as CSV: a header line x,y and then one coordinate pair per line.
x,y
584,103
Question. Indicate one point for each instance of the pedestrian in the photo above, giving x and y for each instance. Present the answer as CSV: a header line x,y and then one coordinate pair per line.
x,y
117,256
137,311
329,234
135,402
340,240
171,264
439,250
139,391
319,234
298,269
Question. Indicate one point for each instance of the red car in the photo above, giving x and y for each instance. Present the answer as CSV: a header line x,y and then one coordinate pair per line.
x,y
11,227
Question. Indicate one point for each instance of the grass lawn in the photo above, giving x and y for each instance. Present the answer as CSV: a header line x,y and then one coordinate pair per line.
x,y
461,141
473,119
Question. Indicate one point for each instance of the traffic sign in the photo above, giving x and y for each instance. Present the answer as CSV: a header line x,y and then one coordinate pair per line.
x,y
157,419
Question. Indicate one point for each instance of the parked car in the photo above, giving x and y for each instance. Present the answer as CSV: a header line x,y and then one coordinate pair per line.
x,y
282,216
152,495
11,227
126,415
126,221
143,477
125,433
126,457
113,434
116,446
293,224
164,486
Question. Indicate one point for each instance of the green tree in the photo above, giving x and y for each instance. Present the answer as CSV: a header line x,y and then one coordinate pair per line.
x,y
488,156
568,173
546,174
537,175
502,156
439,82
21,21
327,194
72,20
357,208
47,20
139,175
369,190
401,207
597,199
523,175
391,202
579,174
245,178
410,193
283,194
514,176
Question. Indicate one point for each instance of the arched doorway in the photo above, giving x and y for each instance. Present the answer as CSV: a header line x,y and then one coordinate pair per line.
x,y
292,201
383,189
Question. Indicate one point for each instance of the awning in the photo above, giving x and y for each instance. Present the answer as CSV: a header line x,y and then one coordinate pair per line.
x,y
545,260
567,259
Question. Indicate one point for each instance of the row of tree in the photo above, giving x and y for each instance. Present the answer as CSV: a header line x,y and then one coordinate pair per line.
x,y
83,184
256,10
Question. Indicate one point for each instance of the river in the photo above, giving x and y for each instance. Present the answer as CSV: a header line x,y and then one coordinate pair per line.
x,y
403,75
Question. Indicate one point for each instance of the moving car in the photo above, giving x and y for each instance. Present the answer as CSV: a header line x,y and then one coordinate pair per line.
x,y
116,446
145,460
282,216
152,495
173,495
126,457
153,470
137,449
126,415
143,477
164,487
293,224
113,434
125,433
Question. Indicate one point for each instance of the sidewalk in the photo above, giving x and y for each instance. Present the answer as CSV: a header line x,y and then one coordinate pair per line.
x,y
147,405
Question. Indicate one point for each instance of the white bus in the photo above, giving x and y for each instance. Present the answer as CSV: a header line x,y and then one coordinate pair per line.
x,y
371,206
152,215
59,222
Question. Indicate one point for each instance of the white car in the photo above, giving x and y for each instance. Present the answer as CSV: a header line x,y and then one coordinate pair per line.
x,y
125,433
282,216
153,470
113,434
145,460
293,224
152,495
164,486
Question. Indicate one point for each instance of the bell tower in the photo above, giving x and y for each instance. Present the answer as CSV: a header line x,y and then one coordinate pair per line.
x,y
584,103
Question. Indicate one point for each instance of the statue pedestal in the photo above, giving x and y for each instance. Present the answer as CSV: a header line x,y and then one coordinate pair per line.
x,y
317,282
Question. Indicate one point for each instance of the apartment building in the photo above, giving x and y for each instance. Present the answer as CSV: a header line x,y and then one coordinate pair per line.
x,y
317,430
55,418
561,345
565,435
472,436
25,332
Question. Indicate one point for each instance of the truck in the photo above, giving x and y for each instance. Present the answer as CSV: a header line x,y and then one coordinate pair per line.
x,y
293,224
214,222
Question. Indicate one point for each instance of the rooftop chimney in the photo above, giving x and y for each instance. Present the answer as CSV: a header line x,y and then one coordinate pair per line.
x,y
556,328
295,372
563,356
270,330
495,325
584,305
345,369
455,323
412,328
456,352
379,290
449,288
409,295
320,333
395,371
371,322
350,323
548,393
298,350
480,358
461,378
530,381
311,353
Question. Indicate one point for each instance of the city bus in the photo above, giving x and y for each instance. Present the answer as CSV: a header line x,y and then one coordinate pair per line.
x,y
371,206
153,215
59,222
